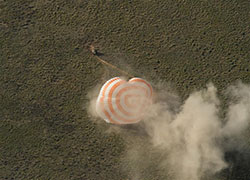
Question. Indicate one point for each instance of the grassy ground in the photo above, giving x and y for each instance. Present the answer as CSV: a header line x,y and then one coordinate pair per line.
x,y
46,72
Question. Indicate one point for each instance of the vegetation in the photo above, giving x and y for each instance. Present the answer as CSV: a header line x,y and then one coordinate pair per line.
x,y
46,72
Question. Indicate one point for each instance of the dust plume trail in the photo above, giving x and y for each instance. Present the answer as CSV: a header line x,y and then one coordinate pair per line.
x,y
238,112
191,138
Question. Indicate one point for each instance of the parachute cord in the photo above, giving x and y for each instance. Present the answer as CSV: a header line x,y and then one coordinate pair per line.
x,y
112,66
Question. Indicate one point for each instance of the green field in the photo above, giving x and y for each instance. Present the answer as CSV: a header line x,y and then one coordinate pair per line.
x,y
47,71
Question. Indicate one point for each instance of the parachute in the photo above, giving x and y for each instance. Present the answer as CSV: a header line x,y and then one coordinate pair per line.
x,y
122,102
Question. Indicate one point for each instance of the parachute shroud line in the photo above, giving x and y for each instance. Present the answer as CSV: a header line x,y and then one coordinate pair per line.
x,y
96,54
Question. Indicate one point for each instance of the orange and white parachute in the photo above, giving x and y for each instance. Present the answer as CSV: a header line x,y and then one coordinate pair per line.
x,y
122,102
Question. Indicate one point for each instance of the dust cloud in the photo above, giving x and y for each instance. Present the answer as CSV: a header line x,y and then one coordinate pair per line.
x,y
192,137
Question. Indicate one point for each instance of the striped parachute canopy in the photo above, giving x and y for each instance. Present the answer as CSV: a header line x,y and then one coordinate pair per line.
x,y
122,102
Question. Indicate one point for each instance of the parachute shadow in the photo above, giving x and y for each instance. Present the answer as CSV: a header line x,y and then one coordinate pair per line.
x,y
135,129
